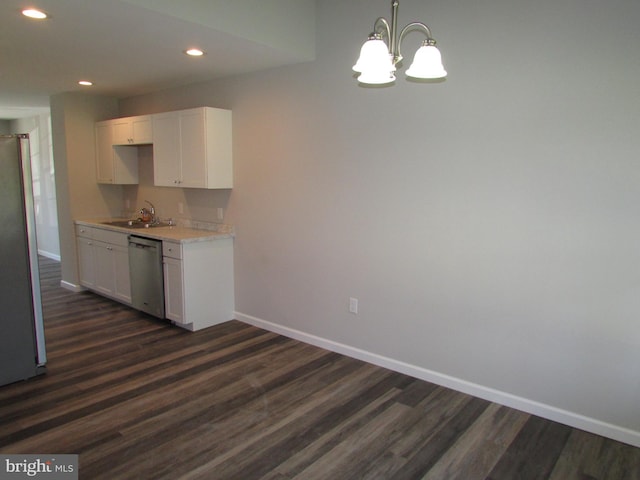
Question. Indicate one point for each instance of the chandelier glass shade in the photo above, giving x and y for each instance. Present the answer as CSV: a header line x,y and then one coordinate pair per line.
x,y
427,63
375,64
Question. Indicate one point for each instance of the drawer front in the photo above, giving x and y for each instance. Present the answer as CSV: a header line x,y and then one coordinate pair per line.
x,y
84,231
172,250
108,236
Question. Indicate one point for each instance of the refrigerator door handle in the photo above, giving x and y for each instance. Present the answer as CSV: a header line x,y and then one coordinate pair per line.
x,y
33,249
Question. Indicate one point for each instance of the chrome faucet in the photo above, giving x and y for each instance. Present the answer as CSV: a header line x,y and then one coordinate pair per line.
x,y
152,213
153,209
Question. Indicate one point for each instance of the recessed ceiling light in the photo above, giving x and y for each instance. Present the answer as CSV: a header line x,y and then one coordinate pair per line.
x,y
86,83
34,13
194,52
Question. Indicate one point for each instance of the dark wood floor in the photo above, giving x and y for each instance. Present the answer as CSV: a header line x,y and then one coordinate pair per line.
x,y
137,398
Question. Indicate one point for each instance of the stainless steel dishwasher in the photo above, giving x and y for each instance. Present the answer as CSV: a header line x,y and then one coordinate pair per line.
x,y
147,284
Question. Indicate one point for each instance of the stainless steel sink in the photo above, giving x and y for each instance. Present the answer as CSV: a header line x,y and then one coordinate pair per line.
x,y
135,224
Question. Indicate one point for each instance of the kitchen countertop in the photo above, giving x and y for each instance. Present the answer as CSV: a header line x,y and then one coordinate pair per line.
x,y
174,233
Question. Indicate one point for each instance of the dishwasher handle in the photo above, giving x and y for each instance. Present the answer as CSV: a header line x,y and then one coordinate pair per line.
x,y
139,245
142,242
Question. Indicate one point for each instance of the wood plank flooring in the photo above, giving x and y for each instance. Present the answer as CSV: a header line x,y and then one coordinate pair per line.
x,y
139,399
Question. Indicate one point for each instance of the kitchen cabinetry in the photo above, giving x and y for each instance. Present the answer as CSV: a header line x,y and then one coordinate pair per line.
x,y
173,291
115,164
86,260
116,155
198,282
193,148
103,259
132,130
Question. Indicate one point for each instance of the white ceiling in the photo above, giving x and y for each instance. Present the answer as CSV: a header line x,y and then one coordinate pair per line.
x,y
132,47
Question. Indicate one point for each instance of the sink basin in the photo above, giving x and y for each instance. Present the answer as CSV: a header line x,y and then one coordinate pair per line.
x,y
135,224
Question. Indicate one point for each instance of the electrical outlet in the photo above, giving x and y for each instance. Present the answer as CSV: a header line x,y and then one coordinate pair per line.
x,y
180,208
220,213
353,305
127,204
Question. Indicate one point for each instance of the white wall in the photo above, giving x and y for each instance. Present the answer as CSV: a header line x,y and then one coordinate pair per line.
x,y
44,181
73,117
489,225
283,25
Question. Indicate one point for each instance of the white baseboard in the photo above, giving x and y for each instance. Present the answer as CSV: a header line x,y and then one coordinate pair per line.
x,y
70,286
50,255
549,412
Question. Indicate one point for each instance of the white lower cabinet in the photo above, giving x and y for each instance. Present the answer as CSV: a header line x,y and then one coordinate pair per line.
x,y
112,271
198,275
198,282
173,294
103,258
86,260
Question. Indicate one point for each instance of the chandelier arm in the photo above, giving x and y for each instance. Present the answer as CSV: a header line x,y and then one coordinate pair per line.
x,y
414,26
381,27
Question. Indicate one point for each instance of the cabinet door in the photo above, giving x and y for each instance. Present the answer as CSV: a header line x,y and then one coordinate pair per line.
x,y
122,281
219,148
104,153
86,262
192,149
114,163
122,131
173,290
141,129
166,149
105,275
132,130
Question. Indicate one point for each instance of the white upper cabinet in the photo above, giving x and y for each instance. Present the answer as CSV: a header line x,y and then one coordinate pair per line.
x,y
114,164
166,149
132,130
193,148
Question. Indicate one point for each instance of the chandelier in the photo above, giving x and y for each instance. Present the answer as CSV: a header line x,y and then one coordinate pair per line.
x,y
377,62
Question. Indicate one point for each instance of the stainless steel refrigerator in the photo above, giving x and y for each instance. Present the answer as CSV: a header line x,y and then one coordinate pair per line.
x,y
22,348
